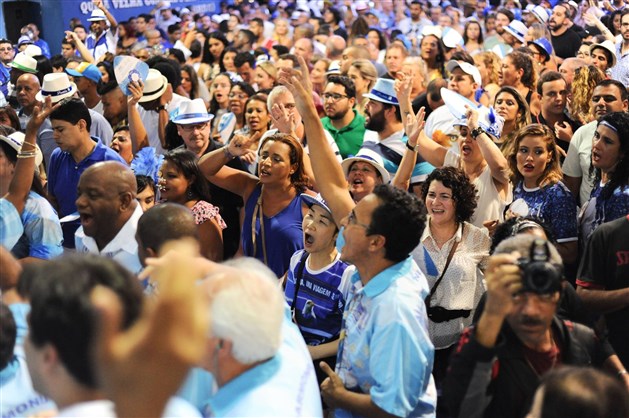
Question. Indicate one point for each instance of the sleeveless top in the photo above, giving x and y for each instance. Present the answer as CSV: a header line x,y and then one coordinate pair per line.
x,y
283,235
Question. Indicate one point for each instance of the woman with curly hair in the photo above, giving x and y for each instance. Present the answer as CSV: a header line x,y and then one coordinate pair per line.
x,y
271,229
488,64
585,79
432,52
457,286
538,190
515,111
517,70
180,181
609,199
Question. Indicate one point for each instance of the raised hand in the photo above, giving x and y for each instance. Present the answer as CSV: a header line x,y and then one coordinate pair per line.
x,y
297,81
136,88
240,145
414,125
283,119
403,87
40,113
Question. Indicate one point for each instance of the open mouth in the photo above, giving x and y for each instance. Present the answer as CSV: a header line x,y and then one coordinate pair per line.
x,y
264,172
308,239
86,218
466,149
595,156
438,211
528,167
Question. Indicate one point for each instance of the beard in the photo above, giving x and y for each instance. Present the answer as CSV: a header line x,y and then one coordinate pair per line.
x,y
376,122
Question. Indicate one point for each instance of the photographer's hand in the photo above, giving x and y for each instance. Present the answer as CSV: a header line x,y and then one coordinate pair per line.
x,y
503,280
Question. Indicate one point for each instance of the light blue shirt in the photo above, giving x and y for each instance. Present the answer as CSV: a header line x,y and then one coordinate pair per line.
x,y
43,236
620,71
11,228
385,348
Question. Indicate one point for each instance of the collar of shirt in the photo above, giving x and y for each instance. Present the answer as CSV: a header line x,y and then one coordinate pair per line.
x,y
458,235
237,388
381,281
123,241
355,123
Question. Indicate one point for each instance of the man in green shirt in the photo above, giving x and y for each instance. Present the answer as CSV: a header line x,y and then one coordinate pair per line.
x,y
346,126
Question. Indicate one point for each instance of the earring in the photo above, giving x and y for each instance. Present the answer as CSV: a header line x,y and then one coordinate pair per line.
x,y
189,194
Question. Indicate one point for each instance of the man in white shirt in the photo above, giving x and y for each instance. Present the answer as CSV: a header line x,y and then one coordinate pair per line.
x,y
109,213
102,39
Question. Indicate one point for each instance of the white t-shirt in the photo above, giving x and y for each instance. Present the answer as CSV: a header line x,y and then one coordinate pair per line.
x,y
150,120
577,162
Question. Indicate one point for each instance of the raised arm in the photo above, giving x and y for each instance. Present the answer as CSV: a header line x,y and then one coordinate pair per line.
x,y
112,20
213,167
139,137
414,125
496,161
80,46
330,178
20,185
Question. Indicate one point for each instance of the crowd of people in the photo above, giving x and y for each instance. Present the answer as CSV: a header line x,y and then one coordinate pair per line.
x,y
392,208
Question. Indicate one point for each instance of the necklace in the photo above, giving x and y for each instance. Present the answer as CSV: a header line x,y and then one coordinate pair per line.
x,y
553,353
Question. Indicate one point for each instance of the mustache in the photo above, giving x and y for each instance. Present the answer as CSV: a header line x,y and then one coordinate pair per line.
x,y
529,320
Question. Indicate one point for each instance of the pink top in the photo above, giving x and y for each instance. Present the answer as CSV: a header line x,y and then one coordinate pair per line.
x,y
203,211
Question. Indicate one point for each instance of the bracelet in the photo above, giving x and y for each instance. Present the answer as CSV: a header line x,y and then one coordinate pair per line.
x,y
621,372
20,155
412,148
228,154
476,132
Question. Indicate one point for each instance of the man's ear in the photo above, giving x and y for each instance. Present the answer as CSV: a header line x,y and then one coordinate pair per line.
x,y
126,199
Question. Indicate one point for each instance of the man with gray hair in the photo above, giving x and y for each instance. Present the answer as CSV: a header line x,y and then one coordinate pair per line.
x,y
518,338
256,355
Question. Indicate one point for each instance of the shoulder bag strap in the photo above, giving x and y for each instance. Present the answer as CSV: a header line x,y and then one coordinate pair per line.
x,y
443,272
298,277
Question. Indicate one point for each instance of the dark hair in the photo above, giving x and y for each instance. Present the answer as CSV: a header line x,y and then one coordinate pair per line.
x,y
243,58
441,55
620,176
169,69
11,155
434,89
524,62
145,181
298,179
336,13
359,27
257,20
104,88
186,162
463,191
62,313
194,80
248,34
8,335
624,94
175,222
281,49
259,97
345,81
382,40
178,55
548,77
58,61
507,13
214,106
72,110
207,55
225,51
245,87
463,56
583,392
195,49
467,25
291,57
129,30
516,225
400,218
43,67
12,115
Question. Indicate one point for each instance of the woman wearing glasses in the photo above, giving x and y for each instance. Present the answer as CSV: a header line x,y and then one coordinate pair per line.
x,y
235,119
271,230
452,254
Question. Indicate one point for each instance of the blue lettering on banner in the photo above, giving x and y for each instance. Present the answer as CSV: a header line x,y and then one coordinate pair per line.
x,y
20,409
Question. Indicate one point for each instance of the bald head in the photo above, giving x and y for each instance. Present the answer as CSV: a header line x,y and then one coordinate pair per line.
x,y
334,47
568,67
26,88
114,175
351,54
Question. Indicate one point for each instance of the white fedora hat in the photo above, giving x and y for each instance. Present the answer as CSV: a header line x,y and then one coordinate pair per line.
x,y
57,86
384,92
609,47
154,86
451,38
24,63
15,141
517,29
97,14
32,50
192,111
367,156
541,13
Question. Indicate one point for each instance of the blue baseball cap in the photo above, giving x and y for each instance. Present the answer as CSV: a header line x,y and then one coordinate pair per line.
x,y
85,69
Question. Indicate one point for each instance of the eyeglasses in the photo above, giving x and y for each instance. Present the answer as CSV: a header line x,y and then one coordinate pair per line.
x,y
197,126
334,96
351,220
241,96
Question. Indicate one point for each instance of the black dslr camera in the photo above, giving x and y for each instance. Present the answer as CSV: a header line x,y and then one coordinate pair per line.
x,y
539,275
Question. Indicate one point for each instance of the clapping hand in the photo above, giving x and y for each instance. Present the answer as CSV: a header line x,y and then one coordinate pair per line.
x,y
414,125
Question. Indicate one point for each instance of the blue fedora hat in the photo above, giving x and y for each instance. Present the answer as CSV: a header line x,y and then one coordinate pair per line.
x,y
383,92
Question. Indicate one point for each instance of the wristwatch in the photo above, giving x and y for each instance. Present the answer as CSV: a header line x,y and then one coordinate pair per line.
x,y
160,108
412,148
475,132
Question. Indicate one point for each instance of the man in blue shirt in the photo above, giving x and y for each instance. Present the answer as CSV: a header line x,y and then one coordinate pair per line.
x,y
385,356
6,57
76,151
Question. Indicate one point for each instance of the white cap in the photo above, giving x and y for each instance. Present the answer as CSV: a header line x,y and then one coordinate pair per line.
x,y
467,69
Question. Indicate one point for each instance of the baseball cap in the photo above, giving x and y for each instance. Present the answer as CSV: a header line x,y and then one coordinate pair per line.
x,y
85,69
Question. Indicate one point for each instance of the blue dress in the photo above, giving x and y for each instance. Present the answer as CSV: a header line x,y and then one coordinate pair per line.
x,y
555,205
283,235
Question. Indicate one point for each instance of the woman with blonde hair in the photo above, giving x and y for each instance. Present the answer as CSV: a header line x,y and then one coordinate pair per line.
x,y
317,74
488,64
585,79
364,75
265,76
538,190
281,34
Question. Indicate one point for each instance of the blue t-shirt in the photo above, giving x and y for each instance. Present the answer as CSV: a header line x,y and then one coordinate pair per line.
x,y
555,205
63,179
282,233
42,237
611,208
320,300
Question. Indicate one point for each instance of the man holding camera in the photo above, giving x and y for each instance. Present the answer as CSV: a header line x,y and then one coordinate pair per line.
x,y
498,364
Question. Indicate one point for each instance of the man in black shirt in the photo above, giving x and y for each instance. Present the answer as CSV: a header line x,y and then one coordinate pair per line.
x,y
565,40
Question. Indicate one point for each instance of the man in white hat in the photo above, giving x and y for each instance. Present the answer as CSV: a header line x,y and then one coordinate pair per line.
x,y
156,105
101,39
385,131
465,79
193,125
21,64
515,33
